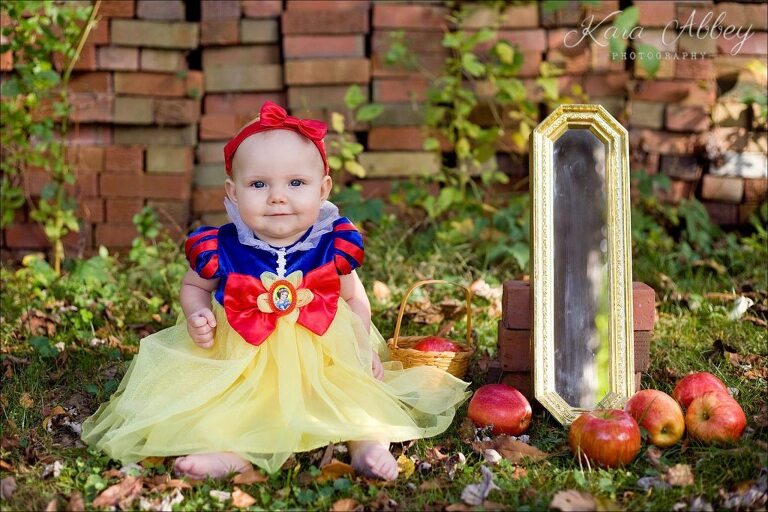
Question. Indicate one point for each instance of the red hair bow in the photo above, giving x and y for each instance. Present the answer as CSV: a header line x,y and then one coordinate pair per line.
x,y
274,117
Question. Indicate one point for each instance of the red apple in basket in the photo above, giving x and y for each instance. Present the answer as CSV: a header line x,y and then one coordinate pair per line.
x,y
659,414
607,437
436,344
695,385
502,406
715,418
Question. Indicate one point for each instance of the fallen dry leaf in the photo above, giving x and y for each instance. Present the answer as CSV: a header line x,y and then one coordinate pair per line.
x,y
679,475
241,499
573,501
123,493
333,470
511,449
53,506
112,473
383,503
76,503
6,466
327,456
653,454
220,495
7,487
162,504
475,494
405,466
519,472
26,401
431,485
252,476
467,430
346,505
161,483
486,506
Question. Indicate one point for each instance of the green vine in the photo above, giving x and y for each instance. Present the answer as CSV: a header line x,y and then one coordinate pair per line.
x,y
35,109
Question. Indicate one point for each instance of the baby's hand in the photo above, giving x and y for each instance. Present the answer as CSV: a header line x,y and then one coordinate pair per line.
x,y
201,326
376,367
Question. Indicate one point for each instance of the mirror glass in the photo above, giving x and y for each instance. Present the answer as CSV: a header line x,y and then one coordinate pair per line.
x,y
582,347
581,262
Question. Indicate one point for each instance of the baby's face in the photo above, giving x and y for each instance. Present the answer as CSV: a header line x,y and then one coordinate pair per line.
x,y
278,183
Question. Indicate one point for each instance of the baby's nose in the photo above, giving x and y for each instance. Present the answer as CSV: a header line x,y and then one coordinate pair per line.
x,y
277,196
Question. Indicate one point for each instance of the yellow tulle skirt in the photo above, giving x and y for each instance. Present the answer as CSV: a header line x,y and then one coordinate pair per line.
x,y
295,392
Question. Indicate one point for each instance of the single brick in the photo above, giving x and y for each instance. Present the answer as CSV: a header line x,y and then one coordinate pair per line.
x,y
682,167
695,69
513,16
95,82
220,126
647,114
677,191
298,47
404,114
746,210
86,61
246,104
694,45
687,118
6,61
427,64
261,8
722,214
115,235
99,34
90,107
654,13
613,84
208,153
169,159
327,5
122,210
86,158
90,134
532,40
568,14
167,10
233,78
420,17
756,44
665,71
755,190
602,59
174,215
571,64
418,43
514,349
665,143
176,111
352,21
25,236
90,209
687,93
208,199
155,34
739,139
406,138
134,110
210,175
150,84
722,188
317,96
124,159
399,163
240,55
259,31
162,60
117,9
219,32
327,71
407,89
145,136
194,85
615,105
118,58
742,15
744,165
219,9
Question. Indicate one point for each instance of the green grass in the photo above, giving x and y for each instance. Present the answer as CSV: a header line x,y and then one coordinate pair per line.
x,y
125,295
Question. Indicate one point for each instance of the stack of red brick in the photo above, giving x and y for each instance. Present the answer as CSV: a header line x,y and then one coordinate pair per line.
x,y
155,96
515,342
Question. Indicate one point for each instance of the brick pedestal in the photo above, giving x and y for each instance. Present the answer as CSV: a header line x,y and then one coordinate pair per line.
x,y
515,356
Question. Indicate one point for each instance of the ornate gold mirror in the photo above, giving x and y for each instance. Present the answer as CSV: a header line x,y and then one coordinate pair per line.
x,y
581,262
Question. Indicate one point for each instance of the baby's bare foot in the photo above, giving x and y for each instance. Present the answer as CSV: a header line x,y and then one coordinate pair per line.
x,y
210,465
373,459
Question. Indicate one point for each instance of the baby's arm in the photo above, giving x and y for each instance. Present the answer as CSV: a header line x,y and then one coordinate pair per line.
x,y
353,292
195,297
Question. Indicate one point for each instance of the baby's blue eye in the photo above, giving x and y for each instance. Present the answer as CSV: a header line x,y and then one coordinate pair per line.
x,y
296,183
258,184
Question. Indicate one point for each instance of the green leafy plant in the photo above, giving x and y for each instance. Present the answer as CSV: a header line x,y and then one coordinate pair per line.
x,y
34,110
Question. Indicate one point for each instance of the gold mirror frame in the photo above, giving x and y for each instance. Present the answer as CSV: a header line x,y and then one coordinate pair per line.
x,y
619,255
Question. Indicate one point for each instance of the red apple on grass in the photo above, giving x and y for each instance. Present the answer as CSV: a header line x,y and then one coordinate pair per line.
x,y
695,385
715,417
436,344
659,414
502,406
606,437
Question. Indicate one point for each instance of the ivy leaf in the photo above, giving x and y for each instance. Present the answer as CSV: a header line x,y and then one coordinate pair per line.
x,y
369,112
550,87
43,347
504,51
550,6
10,88
522,253
431,144
334,163
337,122
354,168
472,65
627,20
354,97
650,61
617,45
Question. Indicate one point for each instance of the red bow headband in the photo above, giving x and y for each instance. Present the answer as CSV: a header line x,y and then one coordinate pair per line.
x,y
274,117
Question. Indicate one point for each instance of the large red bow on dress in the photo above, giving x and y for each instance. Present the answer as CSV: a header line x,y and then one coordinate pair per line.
x,y
240,304
274,117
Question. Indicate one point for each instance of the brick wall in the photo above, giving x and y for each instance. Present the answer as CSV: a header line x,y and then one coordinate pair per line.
x,y
162,84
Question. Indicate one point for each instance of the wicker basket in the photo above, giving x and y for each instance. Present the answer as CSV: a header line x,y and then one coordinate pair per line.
x,y
455,363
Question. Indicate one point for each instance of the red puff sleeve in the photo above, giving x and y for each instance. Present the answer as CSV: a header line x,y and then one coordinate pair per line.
x,y
348,252
202,250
